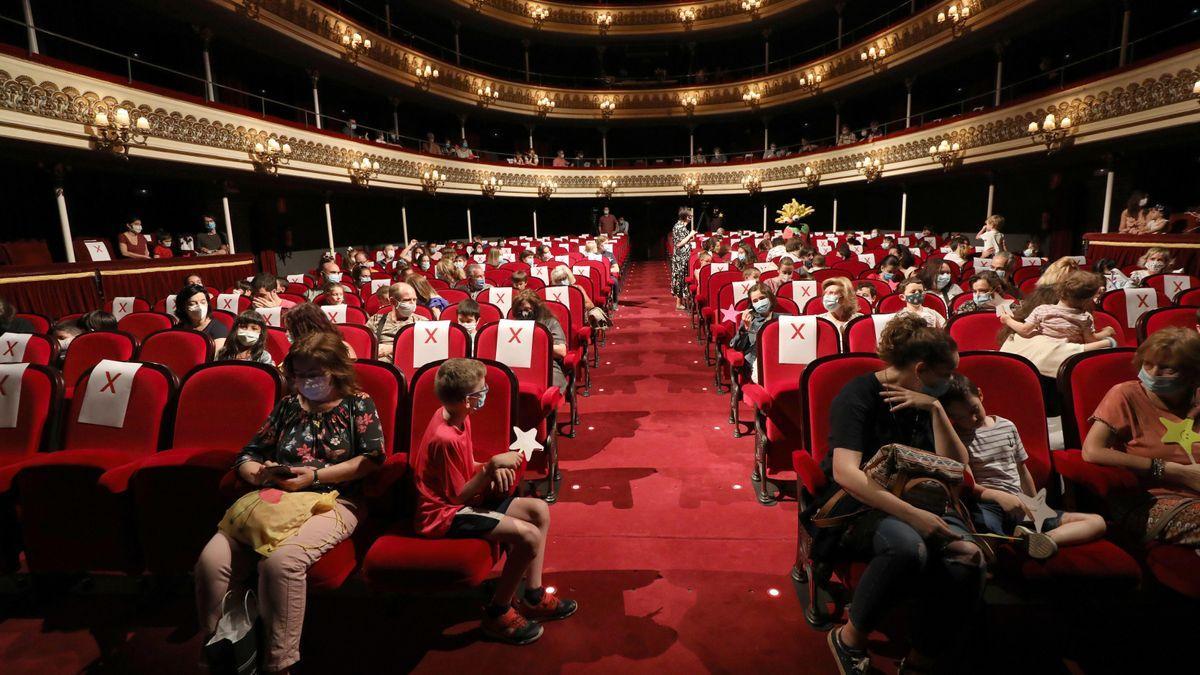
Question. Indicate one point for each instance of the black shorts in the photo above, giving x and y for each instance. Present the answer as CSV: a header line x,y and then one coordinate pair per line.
x,y
477,522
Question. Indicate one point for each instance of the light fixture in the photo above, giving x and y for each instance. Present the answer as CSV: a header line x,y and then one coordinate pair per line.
x,y
752,183
490,185
250,8
870,167
810,81
691,185
751,6
116,130
538,13
752,95
688,16
873,56
547,187
362,170
1196,89
485,95
604,21
431,180
810,176
545,105
608,105
946,152
689,101
607,188
426,74
269,156
1052,132
354,44
956,14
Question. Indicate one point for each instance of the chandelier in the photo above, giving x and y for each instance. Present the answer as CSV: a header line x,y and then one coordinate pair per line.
x,y
354,44
362,170
489,186
608,105
485,95
956,14
752,95
431,180
608,187
116,132
604,21
870,167
545,105
426,73
1050,132
547,187
689,101
270,156
946,152
691,185
873,56
810,82
688,16
539,14
810,176
751,6
752,183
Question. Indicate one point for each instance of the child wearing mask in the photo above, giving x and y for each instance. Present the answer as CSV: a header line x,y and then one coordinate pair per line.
x,y
467,315
247,341
64,332
762,300
162,249
889,272
913,292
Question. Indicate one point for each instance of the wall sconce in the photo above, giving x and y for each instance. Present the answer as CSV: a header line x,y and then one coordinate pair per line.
x,y
810,176
1051,132
751,6
608,187
362,170
426,74
810,82
608,105
485,95
752,183
489,186
539,14
431,180
117,131
752,95
870,168
354,44
250,8
545,105
604,21
270,156
691,185
689,101
945,152
547,188
873,56
1196,89
687,15
956,14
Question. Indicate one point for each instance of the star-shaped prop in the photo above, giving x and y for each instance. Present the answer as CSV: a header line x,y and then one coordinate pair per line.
x,y
731,315
1181,432
526,442
1037,507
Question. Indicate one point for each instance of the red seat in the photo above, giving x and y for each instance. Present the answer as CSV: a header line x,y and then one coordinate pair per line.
x,y
27,348
894,302
1165,317
1127,305
1189,298
180,350
862,333
141,324
1103,320
488,313
1171,285
40,389
1024,274
278,344
814,306
89,349
360,338
975,331
385,384
452,296
404,353
41,324
120,306
70,521
821,275
226,319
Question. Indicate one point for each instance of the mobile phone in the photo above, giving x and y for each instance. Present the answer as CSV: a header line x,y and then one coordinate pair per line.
x,y
280,471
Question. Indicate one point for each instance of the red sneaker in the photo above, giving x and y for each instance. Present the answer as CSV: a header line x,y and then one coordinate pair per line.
x,y
551,608
512,628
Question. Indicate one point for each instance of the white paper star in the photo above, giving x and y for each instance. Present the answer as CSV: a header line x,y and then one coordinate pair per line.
x,y
1037,506
526,442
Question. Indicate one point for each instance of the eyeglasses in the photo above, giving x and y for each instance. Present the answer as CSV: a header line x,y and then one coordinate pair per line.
x,y
477,394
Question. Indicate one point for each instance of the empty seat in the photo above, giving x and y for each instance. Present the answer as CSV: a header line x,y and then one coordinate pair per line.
x,y
180,350
141,324
1166,317
975,330
27,348
91,348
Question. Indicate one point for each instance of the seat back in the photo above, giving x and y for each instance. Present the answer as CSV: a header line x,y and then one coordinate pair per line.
x,y
1189,298
421,342
278,345
224,318
491,426
452,295
782,359
570,298
1083,380
180,350
39,391
488,313
821,382
509,342
975,331
90,348
1128,305
862,334
120,306
890,304
27,348
384,383
1171,285
41,324
1025,273
141,324
360,338
814,306
1012,388
151,398
223,404
1103,320
821,275
1165,317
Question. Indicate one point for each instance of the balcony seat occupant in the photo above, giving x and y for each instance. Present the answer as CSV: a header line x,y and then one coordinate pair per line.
x,y
209,241
131,243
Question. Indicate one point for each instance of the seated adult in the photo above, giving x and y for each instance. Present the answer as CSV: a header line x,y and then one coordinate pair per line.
x,y
913,291
476,281
915,554
867,291
562,276
361,274
208,241
938,277
427,296
986,292
1133,217
305,319
263,292
10,322
193,280
1002,264
248,341
960,250
449,270
131,243
1140,426
527,306
840,302
403,299
192,310
325,437
1050,332
1155,260
745,340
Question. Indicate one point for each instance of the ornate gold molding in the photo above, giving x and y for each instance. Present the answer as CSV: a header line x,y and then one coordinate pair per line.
x,y
39,103
318,26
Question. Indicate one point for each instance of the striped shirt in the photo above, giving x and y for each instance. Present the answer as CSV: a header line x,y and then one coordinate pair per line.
x,y
996,456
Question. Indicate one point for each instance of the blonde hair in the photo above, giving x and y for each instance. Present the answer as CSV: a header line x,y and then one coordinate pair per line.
x,y
996,221
1057,271
446,271
1155,251
495,257
845,290
558,273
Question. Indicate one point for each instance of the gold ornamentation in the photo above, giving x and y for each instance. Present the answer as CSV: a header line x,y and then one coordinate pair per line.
x,y
547,188
431,180
489,185
752,183
691,186
114,129
607,188
268,156
362,170
810,176
946,152
1052,132
871,168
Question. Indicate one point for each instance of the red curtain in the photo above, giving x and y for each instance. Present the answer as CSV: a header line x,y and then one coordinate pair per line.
x,y
1127,248
160,278
52,290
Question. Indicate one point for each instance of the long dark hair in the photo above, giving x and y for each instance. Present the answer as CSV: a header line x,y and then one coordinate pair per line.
x,y
233,347
181,299
1134,204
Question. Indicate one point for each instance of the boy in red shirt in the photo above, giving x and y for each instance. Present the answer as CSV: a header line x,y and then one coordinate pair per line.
x,y
458,497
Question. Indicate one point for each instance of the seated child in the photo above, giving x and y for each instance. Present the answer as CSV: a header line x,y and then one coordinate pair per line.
x,y
1068,320
458,498
243,287
333,294
520,281
64,332
914,303
867,291
468,316
998,467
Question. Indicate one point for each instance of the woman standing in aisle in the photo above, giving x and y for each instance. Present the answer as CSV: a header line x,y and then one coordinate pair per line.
x,y
681,236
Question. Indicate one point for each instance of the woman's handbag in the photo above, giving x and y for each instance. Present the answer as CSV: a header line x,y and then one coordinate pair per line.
x,y
266,518
927,481
233,648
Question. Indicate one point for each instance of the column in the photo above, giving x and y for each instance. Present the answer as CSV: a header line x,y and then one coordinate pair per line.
x,y
529,128
991,197
766,136
839,7
837,120
457,49
903,211
999,74
210,94
316,96
835,213
329,223
395,116
691,142
525,44
1108,195
63,221
1125,16
387,18
404,222
535,224
766,50
462,126
604,146
908,85
31,34
764,217
228,224
470,234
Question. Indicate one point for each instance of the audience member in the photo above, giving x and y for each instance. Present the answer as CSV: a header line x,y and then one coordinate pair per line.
x,y
249,341
476,281
992,236
97,321
467,315
889,272
192,310
562,276
427,296
846,137
403,299
1114,278
1133,218
913,292
1057,331
331,295
938,277
527,306
162,245
608,222
840,302
754,317
305,319
560,160
986,289
263,292
867,291
131,243
63,332
1155,260
10,322
209,242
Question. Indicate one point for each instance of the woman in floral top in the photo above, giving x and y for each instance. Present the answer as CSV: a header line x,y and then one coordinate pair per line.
x,y
326,436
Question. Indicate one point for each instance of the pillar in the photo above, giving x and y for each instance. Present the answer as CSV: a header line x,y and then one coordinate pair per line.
x,y
457,46
835,213
999,75
991,198
1124,56
210,93
525,44
766,136
529,127
691,142
63,221
404,222
31,34
766,50
462,127
228,225
395,115
535,224
838,8
903,211
329,224
764,218
837,121
603,146
1108,195
908,85
387,18
470,234
316,97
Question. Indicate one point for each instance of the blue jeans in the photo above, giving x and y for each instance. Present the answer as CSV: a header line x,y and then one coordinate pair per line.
x,y
944,583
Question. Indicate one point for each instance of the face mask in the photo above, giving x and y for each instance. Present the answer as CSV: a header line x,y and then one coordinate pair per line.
x,y
524,314
388,255
943,280
248,337
165,244
480,400
562,282
1144,201
981,298
63,343
405,309
762,306
333,277
424,264
136,229
1159,384
459,264
1155,266
999,273
831,302
936,390
315,389
479,283
887,276
739,255
1030,253
468,326
210,225
198,310
915,298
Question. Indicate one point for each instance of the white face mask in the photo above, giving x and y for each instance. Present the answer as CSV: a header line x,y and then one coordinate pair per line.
x,y
831,302
468,326
1155,266
136,229
405,309
199,310
943,280
459,264
248,337
334,277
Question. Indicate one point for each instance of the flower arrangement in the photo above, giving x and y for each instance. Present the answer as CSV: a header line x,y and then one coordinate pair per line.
x,y
790,216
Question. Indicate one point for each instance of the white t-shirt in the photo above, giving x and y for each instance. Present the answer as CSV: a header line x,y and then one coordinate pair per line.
x,y
931,317
992,242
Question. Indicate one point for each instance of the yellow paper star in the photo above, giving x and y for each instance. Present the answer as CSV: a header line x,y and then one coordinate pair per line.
x,y
1181,432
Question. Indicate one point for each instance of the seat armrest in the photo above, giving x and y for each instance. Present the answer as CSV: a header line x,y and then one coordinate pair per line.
x,y
1099,480
758,397
381,481
551,399
808,472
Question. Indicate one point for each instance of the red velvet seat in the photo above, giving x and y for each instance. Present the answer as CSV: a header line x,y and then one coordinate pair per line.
x,y
40,389
180,350
1104,320
41,324
141,324
1165,317
1189,298
975,331
1171,285
38,349
89,349
119,307
386,386
360,338
1127,305
894,302
488,313
69,521
814,306
862,333
278,344
574,365
404,354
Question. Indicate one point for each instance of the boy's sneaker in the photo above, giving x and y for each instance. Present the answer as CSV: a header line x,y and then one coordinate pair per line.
x,y
1036,545
849,661
551,608
512,628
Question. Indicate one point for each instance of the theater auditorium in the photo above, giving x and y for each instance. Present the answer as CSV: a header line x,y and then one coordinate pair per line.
x,y
599,336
